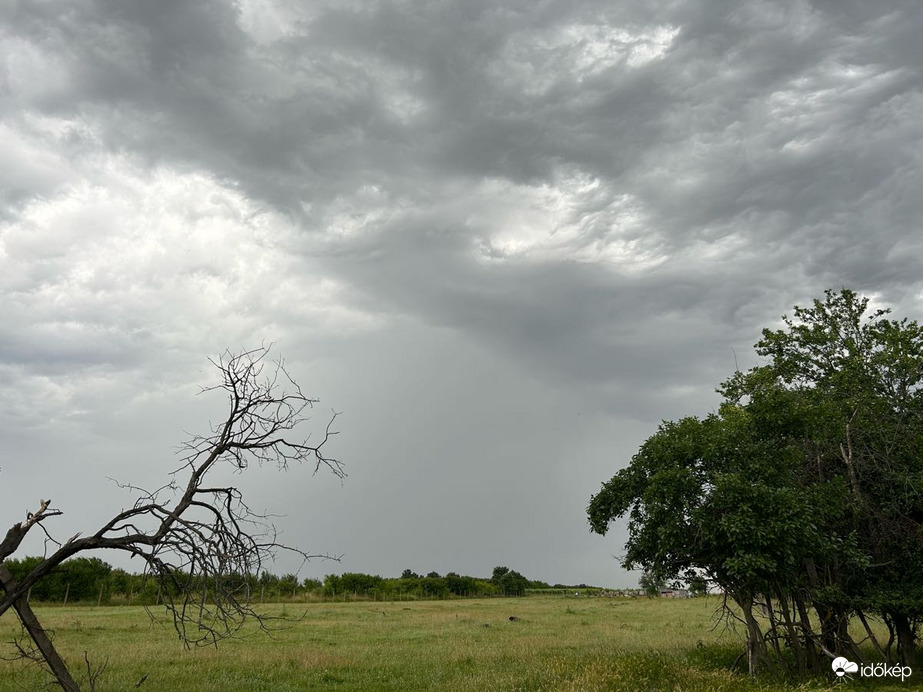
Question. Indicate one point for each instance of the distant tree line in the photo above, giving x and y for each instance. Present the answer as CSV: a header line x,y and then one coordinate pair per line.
x,y
92,580
502,582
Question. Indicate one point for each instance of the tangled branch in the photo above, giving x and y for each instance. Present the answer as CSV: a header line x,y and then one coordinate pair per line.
x,y
200,541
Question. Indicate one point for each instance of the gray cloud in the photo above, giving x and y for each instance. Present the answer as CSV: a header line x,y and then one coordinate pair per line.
x,y
594,202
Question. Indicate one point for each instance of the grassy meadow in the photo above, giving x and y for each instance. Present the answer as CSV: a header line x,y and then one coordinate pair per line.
x,y
555,643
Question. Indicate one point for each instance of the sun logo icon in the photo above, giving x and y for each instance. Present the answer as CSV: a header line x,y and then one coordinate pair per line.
x,y
841,666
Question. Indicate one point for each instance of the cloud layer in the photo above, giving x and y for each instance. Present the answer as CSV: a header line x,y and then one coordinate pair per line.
x,y
592,202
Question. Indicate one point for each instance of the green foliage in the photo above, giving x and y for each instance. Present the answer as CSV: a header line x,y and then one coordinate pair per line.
x,y
498,573
78,579
353,582
805,485
650,584
698,585
90,579
512,583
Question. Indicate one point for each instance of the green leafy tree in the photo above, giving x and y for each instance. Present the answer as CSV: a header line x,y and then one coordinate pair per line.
x,y
512,583
498,573
332,585
801,493
288,584
461,586
434,587
650,584
859,375
698,585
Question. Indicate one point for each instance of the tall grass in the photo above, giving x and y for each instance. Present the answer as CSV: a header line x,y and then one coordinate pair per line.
x,y
553,643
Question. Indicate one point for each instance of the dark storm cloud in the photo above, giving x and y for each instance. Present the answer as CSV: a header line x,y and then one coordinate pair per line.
x,y
605,197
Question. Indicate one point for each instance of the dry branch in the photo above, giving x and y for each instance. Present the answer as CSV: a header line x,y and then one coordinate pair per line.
x,y
199,541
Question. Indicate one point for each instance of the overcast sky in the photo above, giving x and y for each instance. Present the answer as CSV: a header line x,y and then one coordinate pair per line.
x,y
504,239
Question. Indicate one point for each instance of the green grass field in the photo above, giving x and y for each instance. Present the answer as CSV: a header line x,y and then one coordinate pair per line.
x,y
556,643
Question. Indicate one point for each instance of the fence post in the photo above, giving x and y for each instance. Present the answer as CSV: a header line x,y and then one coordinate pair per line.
x,y
67,592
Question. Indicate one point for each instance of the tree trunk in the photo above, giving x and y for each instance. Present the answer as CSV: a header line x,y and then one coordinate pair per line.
x,y
39,636
871,635
814,660
756,645
834,632
794,640
773,627
44,644
906,641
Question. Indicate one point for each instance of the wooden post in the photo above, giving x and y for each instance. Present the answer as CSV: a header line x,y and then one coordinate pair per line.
x,y
100,599
67,592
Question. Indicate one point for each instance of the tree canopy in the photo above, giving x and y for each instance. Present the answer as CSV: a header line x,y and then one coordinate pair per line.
x,y
802,494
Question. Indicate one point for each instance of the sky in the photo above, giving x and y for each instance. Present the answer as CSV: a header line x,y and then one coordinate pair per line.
x,y
503,239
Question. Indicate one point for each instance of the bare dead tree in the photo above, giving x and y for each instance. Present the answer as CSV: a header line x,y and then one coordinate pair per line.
x,y
200,541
